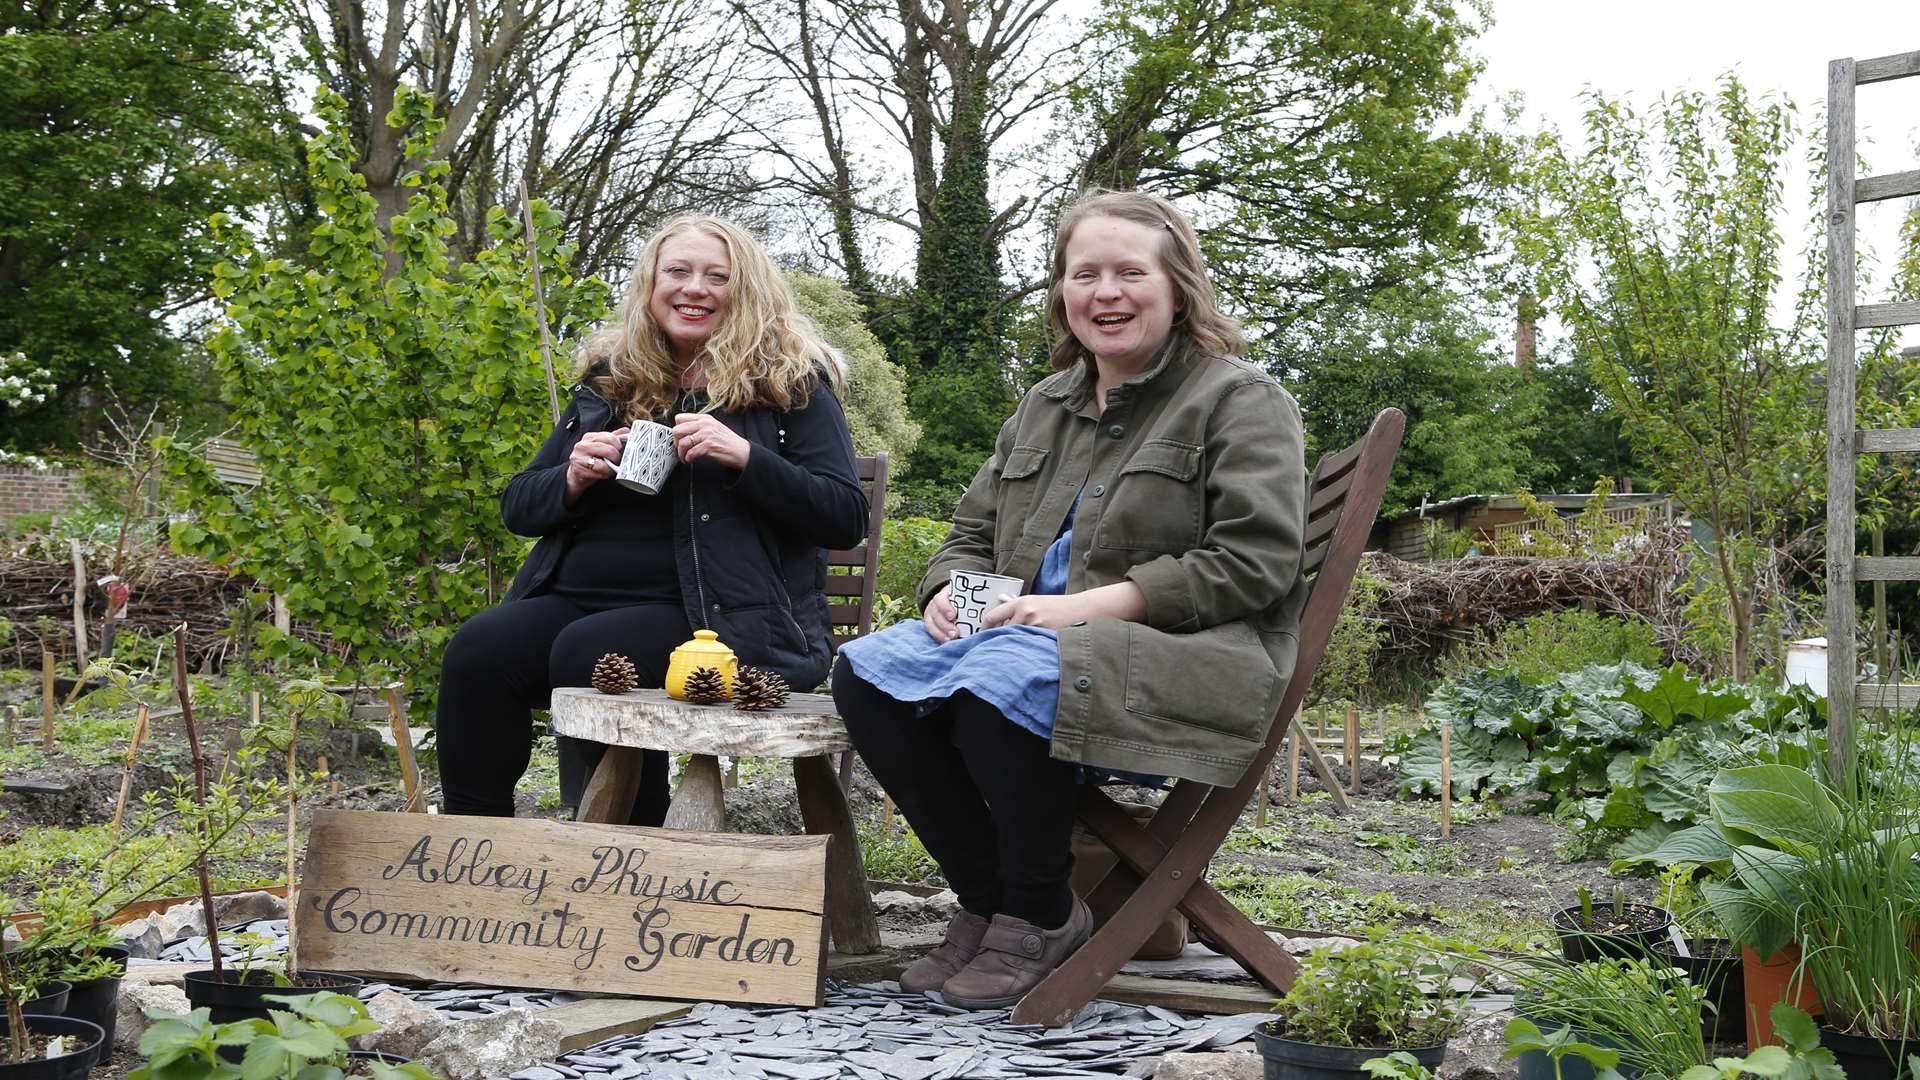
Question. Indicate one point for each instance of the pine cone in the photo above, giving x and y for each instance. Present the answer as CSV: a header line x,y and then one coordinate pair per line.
x,y
756,689
613,674
705,686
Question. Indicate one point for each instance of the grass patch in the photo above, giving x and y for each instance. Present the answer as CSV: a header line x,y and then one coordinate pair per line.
x,y
1307,903
46,853
896,856
1485,925
1407,854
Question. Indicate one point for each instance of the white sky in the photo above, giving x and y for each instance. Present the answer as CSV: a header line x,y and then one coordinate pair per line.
x,y
1551,50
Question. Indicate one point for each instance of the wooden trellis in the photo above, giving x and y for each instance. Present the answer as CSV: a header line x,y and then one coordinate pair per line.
x,y
1845,691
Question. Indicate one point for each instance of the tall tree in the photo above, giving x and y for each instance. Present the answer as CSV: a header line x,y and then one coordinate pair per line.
x,y
1660,245
1317,141
123,125
947,84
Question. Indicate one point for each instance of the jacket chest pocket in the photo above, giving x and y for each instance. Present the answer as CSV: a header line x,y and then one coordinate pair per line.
x,y
1156,500
1019,494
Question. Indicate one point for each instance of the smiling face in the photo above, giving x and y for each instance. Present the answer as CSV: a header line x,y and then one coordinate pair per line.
x,y
690,291
1118,297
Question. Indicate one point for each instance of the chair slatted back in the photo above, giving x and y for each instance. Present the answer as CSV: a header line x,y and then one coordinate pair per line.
x,y
850,596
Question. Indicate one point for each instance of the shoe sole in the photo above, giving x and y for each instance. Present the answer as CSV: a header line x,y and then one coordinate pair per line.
x,y
978,1004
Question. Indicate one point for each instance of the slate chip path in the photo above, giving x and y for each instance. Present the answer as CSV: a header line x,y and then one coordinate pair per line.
x,y
875,1032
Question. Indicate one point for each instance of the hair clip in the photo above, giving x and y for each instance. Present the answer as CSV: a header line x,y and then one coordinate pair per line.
x,y
1167,225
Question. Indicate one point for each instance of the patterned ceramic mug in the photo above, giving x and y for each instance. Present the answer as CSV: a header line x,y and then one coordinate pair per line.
x,y
648,458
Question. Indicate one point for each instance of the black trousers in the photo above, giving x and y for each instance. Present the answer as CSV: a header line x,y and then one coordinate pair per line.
x,y
504,662
991,807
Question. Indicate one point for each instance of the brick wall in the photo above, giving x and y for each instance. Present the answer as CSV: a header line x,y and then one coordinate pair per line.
x,y
24,491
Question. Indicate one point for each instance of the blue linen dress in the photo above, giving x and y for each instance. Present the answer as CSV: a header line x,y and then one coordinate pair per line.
x,y
1016,669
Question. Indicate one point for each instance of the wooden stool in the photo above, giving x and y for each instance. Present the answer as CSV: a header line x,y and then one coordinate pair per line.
x,y
805,731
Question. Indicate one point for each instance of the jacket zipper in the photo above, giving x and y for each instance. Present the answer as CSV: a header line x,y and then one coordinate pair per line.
x,y
693,543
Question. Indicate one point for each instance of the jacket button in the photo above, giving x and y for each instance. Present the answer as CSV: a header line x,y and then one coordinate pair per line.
x,y
716,607
1083,683
1098,490
1117,430
1085,556
706,517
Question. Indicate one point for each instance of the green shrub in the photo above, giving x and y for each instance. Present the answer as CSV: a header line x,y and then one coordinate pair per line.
x,y
1539,648
1347,667
906,545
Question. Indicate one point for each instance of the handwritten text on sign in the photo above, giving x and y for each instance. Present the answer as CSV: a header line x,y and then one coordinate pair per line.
x,y
565,905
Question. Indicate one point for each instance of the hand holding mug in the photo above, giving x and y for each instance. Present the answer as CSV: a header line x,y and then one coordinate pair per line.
x,y
594,458
701,435
938,617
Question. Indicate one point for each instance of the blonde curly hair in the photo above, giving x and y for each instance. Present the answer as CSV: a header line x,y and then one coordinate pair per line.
x,y
764,353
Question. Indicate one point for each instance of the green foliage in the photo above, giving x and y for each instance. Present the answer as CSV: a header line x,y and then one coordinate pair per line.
x,y
1538,648
1525,1037
1800,1057
1383,184
897,855
388,395
122,127
1425,351
906,546
306,1041
1649,1015
1399,1065
1660,248
876,397
1616,747
1347,666
1303,902
1373,994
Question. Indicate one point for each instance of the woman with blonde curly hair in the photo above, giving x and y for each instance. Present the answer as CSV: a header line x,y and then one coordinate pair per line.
x,y
708,341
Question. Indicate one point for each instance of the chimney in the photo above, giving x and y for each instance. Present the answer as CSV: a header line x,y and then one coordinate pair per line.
x,y
1523,331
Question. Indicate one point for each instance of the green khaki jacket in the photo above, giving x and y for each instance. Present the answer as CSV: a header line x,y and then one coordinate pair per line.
x,y
1194,490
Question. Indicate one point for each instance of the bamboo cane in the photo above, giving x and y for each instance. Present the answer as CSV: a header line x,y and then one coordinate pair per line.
x,y
46,699
133,753
1353,750
13,721
539,299
293,828
199,793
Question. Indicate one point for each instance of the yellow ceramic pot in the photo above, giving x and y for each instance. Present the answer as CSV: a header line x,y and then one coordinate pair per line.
x,y
705,650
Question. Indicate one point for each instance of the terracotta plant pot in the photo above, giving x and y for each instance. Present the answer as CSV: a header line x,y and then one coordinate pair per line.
x,y
1768,982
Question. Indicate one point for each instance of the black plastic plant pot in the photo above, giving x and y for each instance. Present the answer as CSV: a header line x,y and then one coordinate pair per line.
x,y
72,1065
228,1000
1867,1058
98,1000
1580,943
52,1001
1714,967
1287,1059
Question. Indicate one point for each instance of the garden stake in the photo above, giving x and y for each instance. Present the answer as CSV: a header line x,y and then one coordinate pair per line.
x,y
199,793
1260,815
13,721
886,816
1353,750
539,299
1293,763
46,698
1446,781
403,741
293,883
126,778
16,1023
79,608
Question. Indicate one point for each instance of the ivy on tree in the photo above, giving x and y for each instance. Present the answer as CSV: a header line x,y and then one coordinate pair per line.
x,y
388,400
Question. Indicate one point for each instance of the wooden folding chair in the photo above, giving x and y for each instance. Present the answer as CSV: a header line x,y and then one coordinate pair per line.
x,y
850,596
1163,862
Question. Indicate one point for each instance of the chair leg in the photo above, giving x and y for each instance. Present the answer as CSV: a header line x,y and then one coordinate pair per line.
x,y
1239,938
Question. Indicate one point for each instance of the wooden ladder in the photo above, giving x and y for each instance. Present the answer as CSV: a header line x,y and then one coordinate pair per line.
x,y
1845,690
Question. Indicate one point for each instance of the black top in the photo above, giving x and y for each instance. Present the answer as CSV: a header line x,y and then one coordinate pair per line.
x,y
622,550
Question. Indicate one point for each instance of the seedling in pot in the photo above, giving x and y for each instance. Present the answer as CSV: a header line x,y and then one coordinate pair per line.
x,y
1524,1036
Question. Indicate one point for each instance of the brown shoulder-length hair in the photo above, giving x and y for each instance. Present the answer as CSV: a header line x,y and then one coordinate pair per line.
x,y
1197,312
765,352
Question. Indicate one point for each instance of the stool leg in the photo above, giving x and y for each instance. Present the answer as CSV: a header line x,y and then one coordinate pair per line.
x,y
698,804
823,809
611,790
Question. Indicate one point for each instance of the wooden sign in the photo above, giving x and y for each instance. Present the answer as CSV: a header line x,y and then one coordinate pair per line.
x,y
565,906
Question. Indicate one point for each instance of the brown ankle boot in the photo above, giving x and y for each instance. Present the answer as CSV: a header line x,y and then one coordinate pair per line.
x,y
1014,956
931,971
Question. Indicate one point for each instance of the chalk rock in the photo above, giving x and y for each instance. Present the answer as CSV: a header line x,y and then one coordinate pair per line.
x,y
496,1045
10,935
1224,1065
1474,1052
1301,946
142,937
406,1027
135,999
184,919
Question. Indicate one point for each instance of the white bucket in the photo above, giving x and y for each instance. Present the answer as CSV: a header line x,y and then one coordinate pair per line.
x,y
1807,664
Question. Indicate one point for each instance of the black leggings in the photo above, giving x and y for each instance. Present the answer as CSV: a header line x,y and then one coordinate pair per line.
x,y
993,809
504,662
